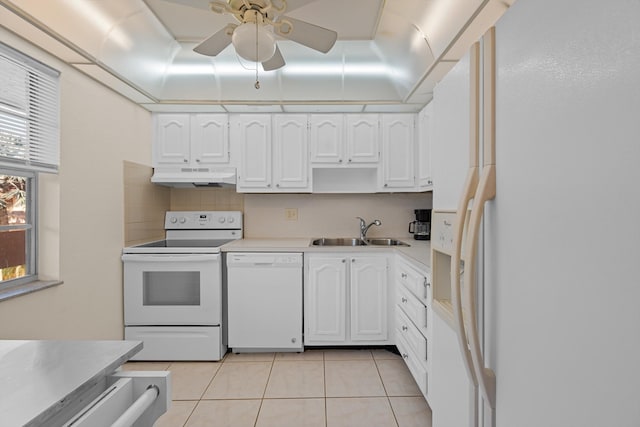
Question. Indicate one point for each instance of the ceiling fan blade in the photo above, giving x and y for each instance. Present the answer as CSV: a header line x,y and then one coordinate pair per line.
x,y
313,36
217,42
198,4
275,62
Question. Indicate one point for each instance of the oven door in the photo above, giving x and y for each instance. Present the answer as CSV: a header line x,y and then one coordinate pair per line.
x,y
172,289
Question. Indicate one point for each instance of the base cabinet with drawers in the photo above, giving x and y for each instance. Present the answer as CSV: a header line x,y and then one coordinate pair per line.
x,y
346,300
413,319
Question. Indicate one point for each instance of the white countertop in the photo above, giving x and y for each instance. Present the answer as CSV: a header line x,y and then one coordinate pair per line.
x,y
40,378
419,250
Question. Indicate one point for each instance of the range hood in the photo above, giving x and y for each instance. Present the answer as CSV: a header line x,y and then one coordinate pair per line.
x,y
194,177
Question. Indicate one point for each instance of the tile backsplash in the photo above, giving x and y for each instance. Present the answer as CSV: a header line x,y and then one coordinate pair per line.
x,y
266,215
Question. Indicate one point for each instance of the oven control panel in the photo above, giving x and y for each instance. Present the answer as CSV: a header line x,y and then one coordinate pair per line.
x,y
202,220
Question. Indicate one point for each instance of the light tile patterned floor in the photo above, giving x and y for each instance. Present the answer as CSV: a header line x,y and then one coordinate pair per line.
x,y
316,388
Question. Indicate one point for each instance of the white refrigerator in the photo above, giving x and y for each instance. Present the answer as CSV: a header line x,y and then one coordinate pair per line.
x,y
559,290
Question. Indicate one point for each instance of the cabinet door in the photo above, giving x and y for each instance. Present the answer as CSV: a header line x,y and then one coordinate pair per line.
x,y
398,144
210,138
290,153
368,298
171,142
363,136
325,299
252,132
425,133
326,138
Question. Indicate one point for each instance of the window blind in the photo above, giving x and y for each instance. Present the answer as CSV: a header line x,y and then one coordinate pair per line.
x,y
29,112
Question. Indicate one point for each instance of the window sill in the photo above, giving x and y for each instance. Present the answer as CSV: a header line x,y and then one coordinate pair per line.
x,y
27,288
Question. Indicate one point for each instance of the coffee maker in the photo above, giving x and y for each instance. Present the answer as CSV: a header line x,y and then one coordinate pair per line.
x,y
421,227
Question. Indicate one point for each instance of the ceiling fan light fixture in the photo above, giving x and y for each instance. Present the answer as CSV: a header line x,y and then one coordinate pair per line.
x,y
252,43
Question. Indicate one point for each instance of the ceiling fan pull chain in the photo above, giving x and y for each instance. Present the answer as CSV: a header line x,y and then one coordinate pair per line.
x,y
257,85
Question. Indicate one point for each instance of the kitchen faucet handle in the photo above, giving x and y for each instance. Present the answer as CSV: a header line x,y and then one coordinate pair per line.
x,y
363,223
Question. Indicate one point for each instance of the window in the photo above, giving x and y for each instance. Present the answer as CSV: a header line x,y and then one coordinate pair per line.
x,y
17,227
29,145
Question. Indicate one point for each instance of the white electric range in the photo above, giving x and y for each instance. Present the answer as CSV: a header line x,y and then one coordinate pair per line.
x,y
173,289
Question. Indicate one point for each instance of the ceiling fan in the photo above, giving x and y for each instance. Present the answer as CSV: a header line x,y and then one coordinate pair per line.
x,y
260,21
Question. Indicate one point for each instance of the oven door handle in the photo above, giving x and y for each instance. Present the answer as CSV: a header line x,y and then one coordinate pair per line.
x,y
170,257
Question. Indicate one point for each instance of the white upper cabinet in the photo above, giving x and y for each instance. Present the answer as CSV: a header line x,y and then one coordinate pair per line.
x,y
172,144
252,133
191,140
425,136
398,152
344,139
273,151
363,136
291,152
210,138
327,134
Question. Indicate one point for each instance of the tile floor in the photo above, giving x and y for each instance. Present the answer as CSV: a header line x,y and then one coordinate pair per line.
x,y
316,388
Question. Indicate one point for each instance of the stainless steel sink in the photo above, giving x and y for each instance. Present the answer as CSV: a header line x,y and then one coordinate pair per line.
x,y
338,241
354,241
386,242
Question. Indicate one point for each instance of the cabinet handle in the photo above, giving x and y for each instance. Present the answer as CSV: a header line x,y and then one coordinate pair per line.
x,y
349,160
268,185
405,356
426,317
197,160
185,160
353,260
426,288
404,327
340,161
344,260
404,300
403,275
278,185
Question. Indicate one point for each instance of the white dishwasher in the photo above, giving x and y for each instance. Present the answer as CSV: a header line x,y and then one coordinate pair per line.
x,y
264,297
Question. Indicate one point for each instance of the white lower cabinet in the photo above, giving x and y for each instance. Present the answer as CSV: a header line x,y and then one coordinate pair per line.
x,y
346,299
413,320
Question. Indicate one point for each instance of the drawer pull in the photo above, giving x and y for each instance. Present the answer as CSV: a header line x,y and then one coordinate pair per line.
x,y
404,300
405,356
403,275
135,411
426,284
404,327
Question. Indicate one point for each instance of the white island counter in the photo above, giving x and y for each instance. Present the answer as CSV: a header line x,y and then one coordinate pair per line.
x,y
40,380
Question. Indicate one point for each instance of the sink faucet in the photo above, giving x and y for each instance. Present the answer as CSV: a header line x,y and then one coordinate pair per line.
x,y
364,227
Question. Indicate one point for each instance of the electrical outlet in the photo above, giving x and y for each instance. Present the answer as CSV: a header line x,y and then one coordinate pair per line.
x,y
291,214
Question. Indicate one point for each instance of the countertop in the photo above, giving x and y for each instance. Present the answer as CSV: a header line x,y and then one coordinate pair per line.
x,y
40,378
419,251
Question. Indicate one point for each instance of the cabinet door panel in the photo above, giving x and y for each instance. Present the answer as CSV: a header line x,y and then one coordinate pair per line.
x,y
326,138
325,300
398,151
253,135
172,140
363,135
290,162
210,138
368,299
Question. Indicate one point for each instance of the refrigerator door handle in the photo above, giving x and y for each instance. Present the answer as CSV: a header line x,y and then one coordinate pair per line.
x,y
468,192
485,377
486,191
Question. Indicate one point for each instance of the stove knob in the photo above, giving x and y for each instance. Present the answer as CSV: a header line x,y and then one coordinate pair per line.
x,y
173,220
230,220
183,220
221,220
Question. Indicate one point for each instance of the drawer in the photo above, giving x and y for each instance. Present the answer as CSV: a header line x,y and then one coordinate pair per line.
x,y
417,370
414,339
177,342
419,283
414,309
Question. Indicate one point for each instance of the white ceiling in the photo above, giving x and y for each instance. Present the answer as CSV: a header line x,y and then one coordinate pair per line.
x,y
388,57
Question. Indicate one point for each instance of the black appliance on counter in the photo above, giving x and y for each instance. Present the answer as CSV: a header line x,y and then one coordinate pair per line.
x,y
421,227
